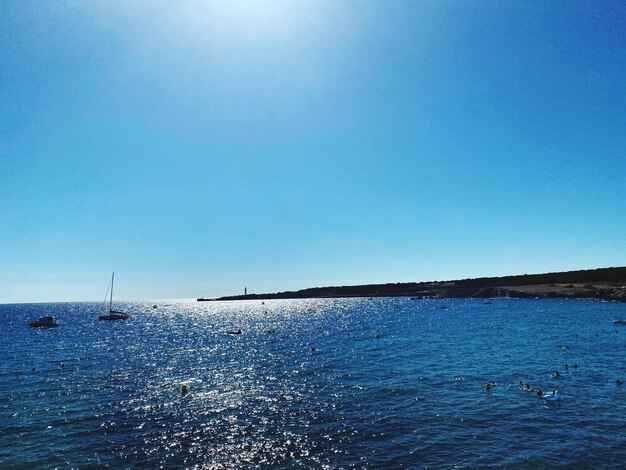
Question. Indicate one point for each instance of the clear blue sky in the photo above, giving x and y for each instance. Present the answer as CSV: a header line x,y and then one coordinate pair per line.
x,y
196,148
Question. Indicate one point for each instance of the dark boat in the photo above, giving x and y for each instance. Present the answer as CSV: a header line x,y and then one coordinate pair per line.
x,y
234,332
44,322
113,314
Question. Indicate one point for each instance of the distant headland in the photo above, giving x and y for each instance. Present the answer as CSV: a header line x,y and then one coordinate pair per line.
x,y
602,284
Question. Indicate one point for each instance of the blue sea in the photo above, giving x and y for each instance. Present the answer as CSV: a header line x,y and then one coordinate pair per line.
x,y
342,383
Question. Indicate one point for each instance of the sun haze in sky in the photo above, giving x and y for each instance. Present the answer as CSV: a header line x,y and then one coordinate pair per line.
x,y
199,147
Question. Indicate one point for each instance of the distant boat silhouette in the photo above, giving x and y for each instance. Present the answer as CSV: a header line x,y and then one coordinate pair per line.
x,y
44,322
113,314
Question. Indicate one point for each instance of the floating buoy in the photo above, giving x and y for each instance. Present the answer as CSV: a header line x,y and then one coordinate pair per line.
x,y
551,396
183,389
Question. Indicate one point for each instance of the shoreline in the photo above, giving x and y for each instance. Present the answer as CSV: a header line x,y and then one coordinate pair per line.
x,y
597,284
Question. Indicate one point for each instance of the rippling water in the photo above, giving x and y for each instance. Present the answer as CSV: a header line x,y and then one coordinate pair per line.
x,y
341,383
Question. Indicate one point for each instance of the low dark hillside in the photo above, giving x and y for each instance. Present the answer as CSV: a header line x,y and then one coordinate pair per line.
x,y
602,275
604,283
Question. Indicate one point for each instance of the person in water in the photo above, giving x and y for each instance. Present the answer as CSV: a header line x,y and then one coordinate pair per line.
x,y
540,393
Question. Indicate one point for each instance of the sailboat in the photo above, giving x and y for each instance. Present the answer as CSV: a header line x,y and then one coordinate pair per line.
x,y
113,314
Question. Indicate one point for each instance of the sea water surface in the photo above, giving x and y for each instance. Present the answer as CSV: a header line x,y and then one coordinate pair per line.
x,y
342,383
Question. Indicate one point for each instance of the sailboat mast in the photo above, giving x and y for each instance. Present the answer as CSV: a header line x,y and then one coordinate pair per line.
x,y
111,301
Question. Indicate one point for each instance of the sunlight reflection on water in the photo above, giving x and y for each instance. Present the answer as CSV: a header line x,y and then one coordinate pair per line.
x,y
341,382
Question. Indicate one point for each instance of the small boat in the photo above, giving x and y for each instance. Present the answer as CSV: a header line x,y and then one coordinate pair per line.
x,y
619,321
155,306
113,314
233,332
551,396
44,322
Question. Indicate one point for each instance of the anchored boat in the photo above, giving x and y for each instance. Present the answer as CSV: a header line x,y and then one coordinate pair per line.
x,y
44,322
113,314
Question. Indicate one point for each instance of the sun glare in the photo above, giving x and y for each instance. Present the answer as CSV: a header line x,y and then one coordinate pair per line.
x,y
253,19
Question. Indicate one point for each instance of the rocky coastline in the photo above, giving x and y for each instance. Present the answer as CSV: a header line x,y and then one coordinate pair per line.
x,y
600,284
